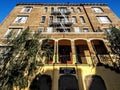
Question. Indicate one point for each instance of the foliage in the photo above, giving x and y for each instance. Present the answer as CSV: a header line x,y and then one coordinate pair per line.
x,y
21,60
114,39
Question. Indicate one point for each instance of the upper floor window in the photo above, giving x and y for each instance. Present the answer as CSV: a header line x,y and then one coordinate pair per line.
x,y
74,20
45,10
51,19
79,10
97,9
72,10
12,32
27,9
52,10
62,9
103,19
82,19
43,19
21,19
85,30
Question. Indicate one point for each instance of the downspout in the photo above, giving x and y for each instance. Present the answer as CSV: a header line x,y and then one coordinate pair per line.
x,y
88,18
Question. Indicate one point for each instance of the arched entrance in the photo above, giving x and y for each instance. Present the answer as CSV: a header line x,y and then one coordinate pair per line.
x,y
48,47
94,82
41,82
64,50
101,52
82,51
68,82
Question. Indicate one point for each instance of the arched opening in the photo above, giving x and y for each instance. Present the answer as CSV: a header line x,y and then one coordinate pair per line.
x,y
68,82
41,82
48,49
82,51
64,50
101,52
94,82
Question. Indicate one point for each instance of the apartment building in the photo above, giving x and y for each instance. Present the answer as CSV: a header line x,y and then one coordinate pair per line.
x,y
77,36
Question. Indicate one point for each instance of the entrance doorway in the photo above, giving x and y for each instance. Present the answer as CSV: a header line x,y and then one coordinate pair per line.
x,y
68,82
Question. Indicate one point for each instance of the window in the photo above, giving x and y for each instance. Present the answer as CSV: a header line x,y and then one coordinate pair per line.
x,y
43,19
27,9
97,9
49,29
45,10
103,19
51,19
62,19
12,32
41,29
79,10
85,29
21,19
76,29
82,19
52,10
72,10
74,20
62,9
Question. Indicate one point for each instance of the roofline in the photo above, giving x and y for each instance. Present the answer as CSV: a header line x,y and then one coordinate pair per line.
x,y
61,4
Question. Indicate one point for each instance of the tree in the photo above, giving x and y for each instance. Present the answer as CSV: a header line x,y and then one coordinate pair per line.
x,y
21,61
113,36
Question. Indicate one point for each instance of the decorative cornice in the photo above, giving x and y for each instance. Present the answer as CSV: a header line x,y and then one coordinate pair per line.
x,y
62,4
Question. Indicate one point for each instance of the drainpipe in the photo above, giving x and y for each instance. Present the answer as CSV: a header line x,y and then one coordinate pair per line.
x,y
88,18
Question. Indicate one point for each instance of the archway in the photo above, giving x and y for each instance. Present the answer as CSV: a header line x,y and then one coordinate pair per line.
x,y
64,50
82,51
41,82
94,82
68,82
48,46
101,52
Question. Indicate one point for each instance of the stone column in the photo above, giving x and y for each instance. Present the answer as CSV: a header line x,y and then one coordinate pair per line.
x,y
74,60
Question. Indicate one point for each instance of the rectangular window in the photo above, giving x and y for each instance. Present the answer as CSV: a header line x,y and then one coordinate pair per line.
x,y
49,29
52,10
27,9
51,19
12,32
72,10
74,20
79,10
103,19
97,9
62,9
21,19
43,19
85,30
41,29
76,29
45,10
82,19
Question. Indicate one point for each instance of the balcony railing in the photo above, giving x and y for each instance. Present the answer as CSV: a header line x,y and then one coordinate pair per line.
x,y
58,23
67,12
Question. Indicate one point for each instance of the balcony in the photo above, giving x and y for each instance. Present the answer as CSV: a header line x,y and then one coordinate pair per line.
x,y
58,23
67,12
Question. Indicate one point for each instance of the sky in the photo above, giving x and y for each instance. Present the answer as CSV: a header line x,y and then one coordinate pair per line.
x,y
6,6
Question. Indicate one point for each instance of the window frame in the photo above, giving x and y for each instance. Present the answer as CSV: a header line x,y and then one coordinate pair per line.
x,y
101,19
26,7
97,9
19,20
43,18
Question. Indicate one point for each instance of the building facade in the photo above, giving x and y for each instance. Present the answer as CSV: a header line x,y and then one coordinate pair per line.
x,y
77,36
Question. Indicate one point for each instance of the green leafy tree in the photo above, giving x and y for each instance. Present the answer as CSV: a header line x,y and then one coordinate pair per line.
x,y
113,36
22,60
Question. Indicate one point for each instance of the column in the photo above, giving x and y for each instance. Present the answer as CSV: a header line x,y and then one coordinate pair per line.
x,y
74,60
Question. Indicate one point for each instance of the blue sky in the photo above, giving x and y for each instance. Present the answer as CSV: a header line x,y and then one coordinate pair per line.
x,y
7,5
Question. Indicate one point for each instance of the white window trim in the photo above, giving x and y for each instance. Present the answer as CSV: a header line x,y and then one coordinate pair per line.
x,y
103,19
97,9
9,30
23,19
23,9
